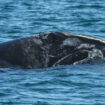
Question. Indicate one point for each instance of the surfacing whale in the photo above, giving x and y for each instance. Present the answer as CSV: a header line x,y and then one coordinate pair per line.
x,y
52,49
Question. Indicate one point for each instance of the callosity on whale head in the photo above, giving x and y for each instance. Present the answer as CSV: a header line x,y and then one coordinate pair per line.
x,y
51,49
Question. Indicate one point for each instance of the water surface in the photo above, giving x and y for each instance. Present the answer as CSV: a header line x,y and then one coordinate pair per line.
x,y
63,85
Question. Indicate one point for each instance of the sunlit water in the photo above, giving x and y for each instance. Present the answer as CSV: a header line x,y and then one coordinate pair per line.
x,y
63,85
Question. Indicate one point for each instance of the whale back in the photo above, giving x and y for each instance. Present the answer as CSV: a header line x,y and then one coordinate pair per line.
x,y
51,49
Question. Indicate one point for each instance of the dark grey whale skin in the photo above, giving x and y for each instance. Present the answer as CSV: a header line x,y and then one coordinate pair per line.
x,y
51,49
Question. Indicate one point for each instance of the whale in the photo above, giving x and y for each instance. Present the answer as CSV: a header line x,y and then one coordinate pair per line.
x,y
51,49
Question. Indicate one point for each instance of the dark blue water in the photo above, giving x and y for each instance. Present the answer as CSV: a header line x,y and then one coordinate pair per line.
x,y
64,85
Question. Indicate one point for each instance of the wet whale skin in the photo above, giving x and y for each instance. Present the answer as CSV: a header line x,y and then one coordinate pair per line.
x,y
52,49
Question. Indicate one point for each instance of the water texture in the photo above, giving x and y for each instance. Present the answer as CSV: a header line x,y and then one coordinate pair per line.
x,y
62,85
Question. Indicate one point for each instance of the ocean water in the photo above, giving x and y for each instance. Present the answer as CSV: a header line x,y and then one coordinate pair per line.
x,y
62,85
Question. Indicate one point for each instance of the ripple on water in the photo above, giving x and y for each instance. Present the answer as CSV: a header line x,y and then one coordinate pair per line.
x,y
64,85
